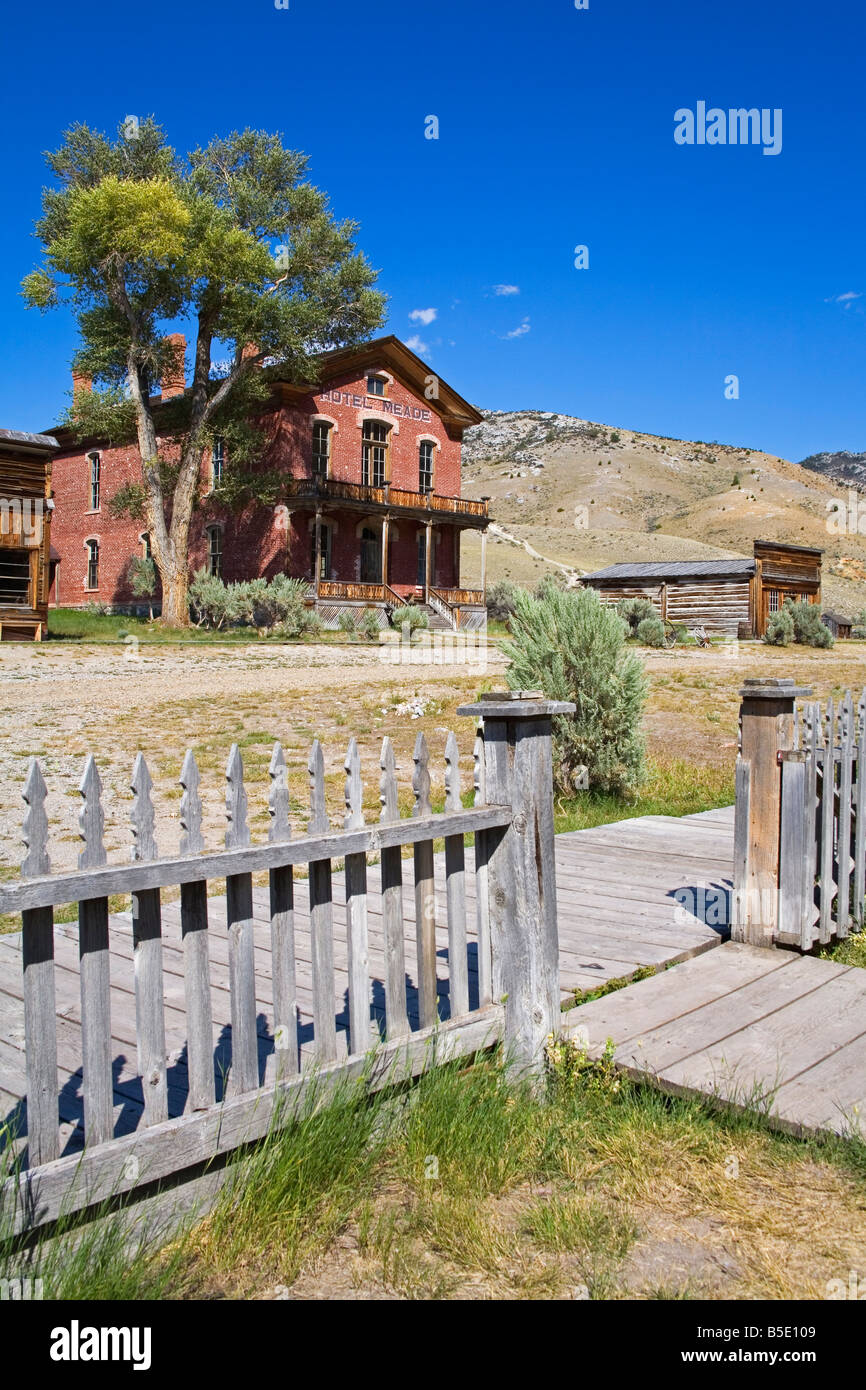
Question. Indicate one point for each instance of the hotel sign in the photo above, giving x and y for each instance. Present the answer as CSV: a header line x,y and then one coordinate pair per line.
x,y
378,403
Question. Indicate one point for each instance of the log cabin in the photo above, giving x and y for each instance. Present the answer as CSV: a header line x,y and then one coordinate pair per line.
x,y
734,597
25,534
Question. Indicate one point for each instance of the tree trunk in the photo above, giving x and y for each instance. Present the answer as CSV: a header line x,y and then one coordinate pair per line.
x,y
175,597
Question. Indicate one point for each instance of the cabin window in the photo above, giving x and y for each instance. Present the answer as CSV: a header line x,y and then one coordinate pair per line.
x,y
217,462
92,581
375,385
95,462
374,463
425,466
15,577
321,448
215,551
773,596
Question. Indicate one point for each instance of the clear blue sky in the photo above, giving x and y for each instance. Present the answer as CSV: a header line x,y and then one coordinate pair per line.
x,y
556,129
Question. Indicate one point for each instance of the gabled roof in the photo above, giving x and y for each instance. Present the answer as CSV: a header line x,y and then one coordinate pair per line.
x,y
675,569
408,366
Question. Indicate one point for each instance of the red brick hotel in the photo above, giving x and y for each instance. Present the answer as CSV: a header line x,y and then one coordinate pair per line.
x,y
370,513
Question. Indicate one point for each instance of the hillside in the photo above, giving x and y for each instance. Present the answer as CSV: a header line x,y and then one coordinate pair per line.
x,y
582,495
846,468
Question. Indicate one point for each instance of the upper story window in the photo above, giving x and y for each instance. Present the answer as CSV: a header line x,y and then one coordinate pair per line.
x,y
425,466
376,385
217,462
92,581
146,548
374,461
95,462
215,551
321,448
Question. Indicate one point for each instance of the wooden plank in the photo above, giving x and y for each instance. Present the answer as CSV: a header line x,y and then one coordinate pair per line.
x,y
828,793
829,1096
860,832
239,925
843,842
196,961
356,910
162,873
455,877
482,896
712,1029
147,940
281,912
37,945
94,970
425,896
815,1012
321,919
792,849
643,1007
70,1184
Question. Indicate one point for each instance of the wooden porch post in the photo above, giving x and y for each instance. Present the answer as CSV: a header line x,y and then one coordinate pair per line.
x,y
428,556
767,727
386,526
521,873
318,560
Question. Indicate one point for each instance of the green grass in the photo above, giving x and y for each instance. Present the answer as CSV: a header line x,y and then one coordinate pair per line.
x,y
851,951
674,787
78,625
466,1184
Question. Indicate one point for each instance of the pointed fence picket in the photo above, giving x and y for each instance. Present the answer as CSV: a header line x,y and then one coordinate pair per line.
x,y
822,845
159,1145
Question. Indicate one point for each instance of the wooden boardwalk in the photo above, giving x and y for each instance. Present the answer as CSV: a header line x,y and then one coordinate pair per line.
x,y
767,1029
617,900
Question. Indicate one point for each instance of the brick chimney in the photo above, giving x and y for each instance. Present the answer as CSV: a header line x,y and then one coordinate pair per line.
x,y
80,382
174,381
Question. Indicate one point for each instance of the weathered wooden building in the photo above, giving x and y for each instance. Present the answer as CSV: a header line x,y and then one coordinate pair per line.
x,y
734,596
25,533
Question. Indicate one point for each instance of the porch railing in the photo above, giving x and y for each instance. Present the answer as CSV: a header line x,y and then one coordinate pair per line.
x,y
335,489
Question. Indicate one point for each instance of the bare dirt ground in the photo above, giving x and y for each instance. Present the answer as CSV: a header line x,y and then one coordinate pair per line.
x,y
60,701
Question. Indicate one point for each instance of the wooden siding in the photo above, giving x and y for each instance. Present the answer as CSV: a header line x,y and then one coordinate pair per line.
x,y
719,605
25,486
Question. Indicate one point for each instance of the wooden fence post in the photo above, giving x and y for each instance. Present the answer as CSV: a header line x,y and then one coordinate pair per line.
x,y
521,871
767,728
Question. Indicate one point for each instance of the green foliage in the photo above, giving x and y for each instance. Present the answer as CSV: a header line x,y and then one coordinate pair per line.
x,y
736,482
571,646
128,501
277,604
651,632
234,239
615,436
142,576
808,627
369,625
569,1065
634,610
780,628
413,615
798,622
346,623
500,600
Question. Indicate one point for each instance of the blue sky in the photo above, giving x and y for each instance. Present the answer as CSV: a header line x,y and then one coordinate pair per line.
x,y
556,129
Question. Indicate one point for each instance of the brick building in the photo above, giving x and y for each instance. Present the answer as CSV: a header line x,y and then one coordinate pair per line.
x,y
370,511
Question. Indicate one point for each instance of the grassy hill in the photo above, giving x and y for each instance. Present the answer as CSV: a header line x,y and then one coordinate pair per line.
x,y
580,495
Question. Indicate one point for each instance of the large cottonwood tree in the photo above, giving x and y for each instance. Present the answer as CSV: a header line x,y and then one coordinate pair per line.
x,y
233,239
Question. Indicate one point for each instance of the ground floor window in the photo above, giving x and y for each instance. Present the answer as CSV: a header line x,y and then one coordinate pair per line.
x,y
92,565
15,577
773,597
215,551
